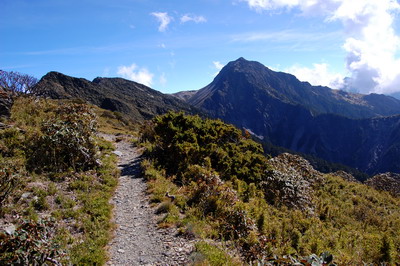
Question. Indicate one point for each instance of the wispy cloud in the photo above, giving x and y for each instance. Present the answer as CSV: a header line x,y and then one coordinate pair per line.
x,y
163,79
163,18
196,19
133,72
218,66
286,36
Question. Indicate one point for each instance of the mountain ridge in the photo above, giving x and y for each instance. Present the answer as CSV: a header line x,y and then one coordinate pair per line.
x,y
114,94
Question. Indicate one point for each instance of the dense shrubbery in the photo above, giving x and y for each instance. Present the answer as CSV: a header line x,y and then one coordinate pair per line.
x,y
275,211
182,141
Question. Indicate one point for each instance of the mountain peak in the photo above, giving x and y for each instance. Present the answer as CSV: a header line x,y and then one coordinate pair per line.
x,y
241,59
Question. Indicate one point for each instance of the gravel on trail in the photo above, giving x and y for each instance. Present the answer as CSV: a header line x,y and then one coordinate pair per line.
x,y
137,238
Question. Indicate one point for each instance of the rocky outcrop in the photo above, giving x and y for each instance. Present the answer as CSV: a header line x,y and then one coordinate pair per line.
x,y
6,102
388,182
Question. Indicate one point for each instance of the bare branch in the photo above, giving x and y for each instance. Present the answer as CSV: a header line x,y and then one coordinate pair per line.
x,y
16,82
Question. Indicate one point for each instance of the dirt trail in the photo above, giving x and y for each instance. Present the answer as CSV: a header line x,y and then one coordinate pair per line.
x,y
137,239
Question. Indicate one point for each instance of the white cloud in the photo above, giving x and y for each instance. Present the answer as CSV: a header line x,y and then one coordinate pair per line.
x,y
140,75
317,75
371,42
197,19
164,20
218,66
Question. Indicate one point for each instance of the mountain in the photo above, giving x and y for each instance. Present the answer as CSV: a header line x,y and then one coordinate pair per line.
x,y
243,80
115,94
361,131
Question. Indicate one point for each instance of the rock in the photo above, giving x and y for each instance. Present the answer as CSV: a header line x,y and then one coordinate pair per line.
x,y
25,195
10,229
121,251
118,153
6,102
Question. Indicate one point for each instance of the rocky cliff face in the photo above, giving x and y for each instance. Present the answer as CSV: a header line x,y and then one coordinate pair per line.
x,y
335,125
116,94
6,102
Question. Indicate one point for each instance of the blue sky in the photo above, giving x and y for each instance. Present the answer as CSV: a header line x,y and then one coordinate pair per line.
x,y
181,45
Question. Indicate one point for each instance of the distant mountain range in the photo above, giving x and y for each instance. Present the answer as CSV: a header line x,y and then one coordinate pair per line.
x,y
361,131
115,94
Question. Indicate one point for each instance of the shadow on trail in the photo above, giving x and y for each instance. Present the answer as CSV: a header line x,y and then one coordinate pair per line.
x,y
132,169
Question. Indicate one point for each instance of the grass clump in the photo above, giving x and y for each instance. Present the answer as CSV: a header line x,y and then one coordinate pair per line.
x,y
208,254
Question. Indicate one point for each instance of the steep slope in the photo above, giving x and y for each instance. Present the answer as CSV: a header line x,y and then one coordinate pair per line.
x,y
334,125
115,94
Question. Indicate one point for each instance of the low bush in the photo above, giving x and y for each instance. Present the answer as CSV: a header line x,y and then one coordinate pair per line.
x,y
31,243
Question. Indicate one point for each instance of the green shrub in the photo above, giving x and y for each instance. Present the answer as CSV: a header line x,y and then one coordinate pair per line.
x,y
65,141
182,141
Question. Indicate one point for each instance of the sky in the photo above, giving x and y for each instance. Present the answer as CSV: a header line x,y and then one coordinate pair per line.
x,y
181,45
